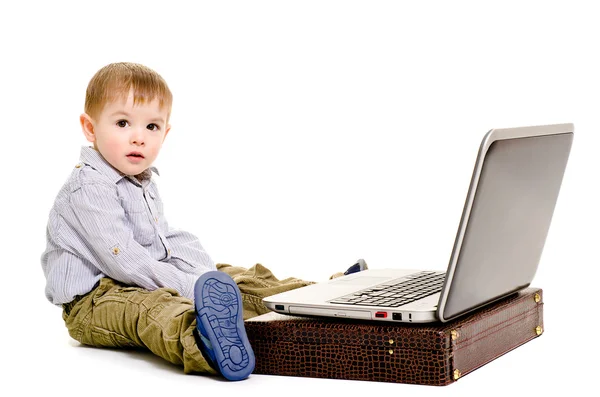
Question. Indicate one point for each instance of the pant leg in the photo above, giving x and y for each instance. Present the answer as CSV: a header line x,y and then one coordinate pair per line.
x,y
115,315
256,283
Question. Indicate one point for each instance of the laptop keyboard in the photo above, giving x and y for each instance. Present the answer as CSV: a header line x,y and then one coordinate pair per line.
x,y
397,292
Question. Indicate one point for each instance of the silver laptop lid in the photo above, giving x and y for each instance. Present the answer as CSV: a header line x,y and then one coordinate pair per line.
x,y
506,217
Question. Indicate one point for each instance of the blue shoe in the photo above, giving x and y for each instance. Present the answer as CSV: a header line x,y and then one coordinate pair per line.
x,y
359,266
220,323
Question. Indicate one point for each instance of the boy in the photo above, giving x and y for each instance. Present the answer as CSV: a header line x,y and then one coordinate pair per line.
x,y
123,276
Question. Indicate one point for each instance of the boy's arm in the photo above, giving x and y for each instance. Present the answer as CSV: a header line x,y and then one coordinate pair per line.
x,y
186,251
100,218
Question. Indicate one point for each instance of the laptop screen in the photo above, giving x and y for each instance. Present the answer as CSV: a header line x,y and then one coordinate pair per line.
x,y
509,220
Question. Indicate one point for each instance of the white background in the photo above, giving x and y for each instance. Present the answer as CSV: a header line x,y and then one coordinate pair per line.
x,y
305,135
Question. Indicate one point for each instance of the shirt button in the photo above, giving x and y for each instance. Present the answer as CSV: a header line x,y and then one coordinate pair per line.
x,y
156,219
169,251
116,251
78,166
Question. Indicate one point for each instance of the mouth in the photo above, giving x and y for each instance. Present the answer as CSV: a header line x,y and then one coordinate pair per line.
x,y
135,155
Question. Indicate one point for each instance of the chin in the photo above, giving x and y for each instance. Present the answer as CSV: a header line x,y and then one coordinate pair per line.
x,y
137,172
132,171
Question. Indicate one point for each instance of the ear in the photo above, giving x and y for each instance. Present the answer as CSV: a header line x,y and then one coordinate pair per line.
x,y
87,126
167,131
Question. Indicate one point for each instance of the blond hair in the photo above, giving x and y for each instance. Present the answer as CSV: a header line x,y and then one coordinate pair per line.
x,y
115,81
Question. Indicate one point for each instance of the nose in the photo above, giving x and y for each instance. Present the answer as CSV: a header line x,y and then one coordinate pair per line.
x,y
137,136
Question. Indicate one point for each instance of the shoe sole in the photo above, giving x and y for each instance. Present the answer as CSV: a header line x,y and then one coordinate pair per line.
x,y
220,317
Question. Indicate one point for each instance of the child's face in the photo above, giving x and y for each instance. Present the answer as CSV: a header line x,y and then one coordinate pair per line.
x,y
128,137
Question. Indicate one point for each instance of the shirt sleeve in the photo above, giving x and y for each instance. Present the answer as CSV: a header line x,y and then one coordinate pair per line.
x,y
187,254
101,220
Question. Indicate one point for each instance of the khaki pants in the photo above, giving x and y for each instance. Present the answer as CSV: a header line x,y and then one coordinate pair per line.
x,y
117,315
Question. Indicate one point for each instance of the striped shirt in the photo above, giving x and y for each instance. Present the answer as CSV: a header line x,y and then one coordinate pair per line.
x,y
106,224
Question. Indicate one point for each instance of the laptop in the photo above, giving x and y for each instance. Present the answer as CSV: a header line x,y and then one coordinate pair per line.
x,y
500,239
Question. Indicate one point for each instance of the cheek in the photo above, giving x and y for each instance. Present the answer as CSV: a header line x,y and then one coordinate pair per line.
x,y
156,144
111,142
114,146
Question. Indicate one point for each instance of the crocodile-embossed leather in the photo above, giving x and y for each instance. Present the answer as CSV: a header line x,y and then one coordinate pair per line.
x,y
392,352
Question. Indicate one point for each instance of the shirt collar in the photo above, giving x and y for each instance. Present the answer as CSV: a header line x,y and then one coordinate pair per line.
x,y
94,159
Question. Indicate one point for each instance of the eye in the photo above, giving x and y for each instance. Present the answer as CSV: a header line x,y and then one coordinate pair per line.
x,y
122,123
153,127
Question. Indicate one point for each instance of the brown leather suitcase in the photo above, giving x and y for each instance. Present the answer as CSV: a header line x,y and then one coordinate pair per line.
x,y
433,354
